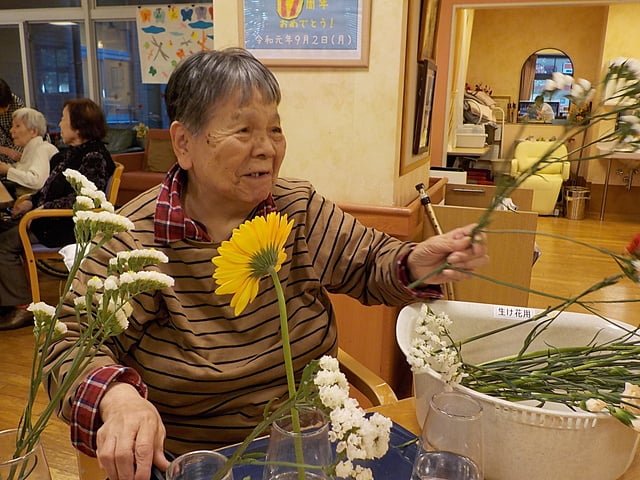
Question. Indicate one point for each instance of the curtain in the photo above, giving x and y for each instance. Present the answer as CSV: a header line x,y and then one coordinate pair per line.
x,y
527,76
463,27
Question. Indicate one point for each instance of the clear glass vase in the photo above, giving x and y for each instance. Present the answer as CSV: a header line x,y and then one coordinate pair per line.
x,y
286,446
32,465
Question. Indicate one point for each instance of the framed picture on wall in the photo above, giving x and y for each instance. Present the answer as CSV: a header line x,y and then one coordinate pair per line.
x,y
424,105
331,34
428,26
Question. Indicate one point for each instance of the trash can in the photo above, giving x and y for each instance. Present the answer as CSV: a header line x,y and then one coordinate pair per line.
x,y
575,202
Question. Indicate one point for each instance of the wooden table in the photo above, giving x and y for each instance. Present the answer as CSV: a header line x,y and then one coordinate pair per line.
x,y
403,412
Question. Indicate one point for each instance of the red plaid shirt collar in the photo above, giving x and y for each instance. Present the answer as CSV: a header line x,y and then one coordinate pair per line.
x,y
172,224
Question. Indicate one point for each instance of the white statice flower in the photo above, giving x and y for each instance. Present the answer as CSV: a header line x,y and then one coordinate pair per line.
x,y
595,405
60,329
582,92
431,349
631,398
558,81
42,309
80,303
83,203
94,284
139,258
111,283
103,221
357,436
78,180
344,469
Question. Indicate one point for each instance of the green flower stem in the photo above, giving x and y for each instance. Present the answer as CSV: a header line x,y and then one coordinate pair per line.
x,y
288,363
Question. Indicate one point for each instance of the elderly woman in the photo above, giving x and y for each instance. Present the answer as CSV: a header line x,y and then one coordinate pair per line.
x,y
30,172
187,368
82,127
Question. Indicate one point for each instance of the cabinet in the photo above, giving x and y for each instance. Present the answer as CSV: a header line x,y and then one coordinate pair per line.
x,y
511,254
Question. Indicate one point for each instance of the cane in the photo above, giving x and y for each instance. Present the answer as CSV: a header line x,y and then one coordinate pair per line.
x,y
425,200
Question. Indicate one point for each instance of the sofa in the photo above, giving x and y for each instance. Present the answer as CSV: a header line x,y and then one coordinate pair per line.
x,y
547,181
146,168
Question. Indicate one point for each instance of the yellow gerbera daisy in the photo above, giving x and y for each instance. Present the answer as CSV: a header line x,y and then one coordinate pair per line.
x,y
255,250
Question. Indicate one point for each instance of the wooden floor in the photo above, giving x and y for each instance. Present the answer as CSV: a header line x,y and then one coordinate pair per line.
x,y
563,268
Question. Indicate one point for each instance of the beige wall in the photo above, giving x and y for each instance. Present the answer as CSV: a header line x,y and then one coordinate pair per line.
x,y
342,124
503,39
622,40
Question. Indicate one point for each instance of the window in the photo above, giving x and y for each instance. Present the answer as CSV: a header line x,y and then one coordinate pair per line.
x,y
11,4
58,56
11,59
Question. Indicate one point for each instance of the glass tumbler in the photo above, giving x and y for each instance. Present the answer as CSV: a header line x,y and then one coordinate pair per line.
x,y
451,440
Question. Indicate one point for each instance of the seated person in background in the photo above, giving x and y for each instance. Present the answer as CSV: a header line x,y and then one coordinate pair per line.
x,y
82,127
9,103
187,368
540,110
30,172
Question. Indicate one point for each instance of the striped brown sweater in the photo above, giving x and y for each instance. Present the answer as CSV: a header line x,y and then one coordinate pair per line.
x,y
211,373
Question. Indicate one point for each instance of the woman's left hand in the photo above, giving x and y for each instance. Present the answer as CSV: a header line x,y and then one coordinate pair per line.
x,y
455,247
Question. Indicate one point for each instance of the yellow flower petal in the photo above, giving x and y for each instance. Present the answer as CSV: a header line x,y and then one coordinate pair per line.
x,y
256,247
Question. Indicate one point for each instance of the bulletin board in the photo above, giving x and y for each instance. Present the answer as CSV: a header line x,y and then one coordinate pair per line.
x,y
167,34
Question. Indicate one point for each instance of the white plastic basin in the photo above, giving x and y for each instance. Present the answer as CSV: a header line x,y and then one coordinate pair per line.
x,y
525,442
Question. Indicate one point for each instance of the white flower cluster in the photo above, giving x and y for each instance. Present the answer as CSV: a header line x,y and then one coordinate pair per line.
x,y
113,304
358,437
43,316
620,89
431,347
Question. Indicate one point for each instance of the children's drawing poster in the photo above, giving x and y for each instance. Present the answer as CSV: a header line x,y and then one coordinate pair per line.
x,y
170,33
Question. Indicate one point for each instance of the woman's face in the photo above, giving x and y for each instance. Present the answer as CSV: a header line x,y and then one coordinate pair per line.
x,y
69,135
20,133
237,156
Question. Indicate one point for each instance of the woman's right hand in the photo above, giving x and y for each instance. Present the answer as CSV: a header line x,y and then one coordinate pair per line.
x,y
132,436
21,207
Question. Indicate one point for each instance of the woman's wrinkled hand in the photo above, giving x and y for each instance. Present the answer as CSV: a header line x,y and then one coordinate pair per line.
x,y
455,247
132,436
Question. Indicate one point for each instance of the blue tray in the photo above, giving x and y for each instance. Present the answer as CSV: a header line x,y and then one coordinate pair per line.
x,y
397,462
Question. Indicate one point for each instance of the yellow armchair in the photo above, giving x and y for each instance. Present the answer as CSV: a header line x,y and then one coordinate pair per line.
x,y
547,182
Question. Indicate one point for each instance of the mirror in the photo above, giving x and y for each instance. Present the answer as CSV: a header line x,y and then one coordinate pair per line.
x,y
536,70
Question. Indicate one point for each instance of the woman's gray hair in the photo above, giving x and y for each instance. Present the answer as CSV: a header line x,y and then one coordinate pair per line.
x,y
205,79
32,119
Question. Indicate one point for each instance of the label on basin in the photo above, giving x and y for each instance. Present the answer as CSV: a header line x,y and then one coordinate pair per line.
x,y
514,313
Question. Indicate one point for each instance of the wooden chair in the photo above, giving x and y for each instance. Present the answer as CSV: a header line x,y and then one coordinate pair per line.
x,y
36,251
374,388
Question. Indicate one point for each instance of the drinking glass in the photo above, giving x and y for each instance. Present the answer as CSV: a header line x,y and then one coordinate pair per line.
x,y
198,465
451,440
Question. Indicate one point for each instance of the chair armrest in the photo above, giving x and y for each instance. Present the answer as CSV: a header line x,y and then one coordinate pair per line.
x,y
566,170
25,221
377,391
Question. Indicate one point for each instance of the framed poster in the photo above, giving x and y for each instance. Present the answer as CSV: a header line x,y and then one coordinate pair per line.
x,y
424,105
333,33
428,26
